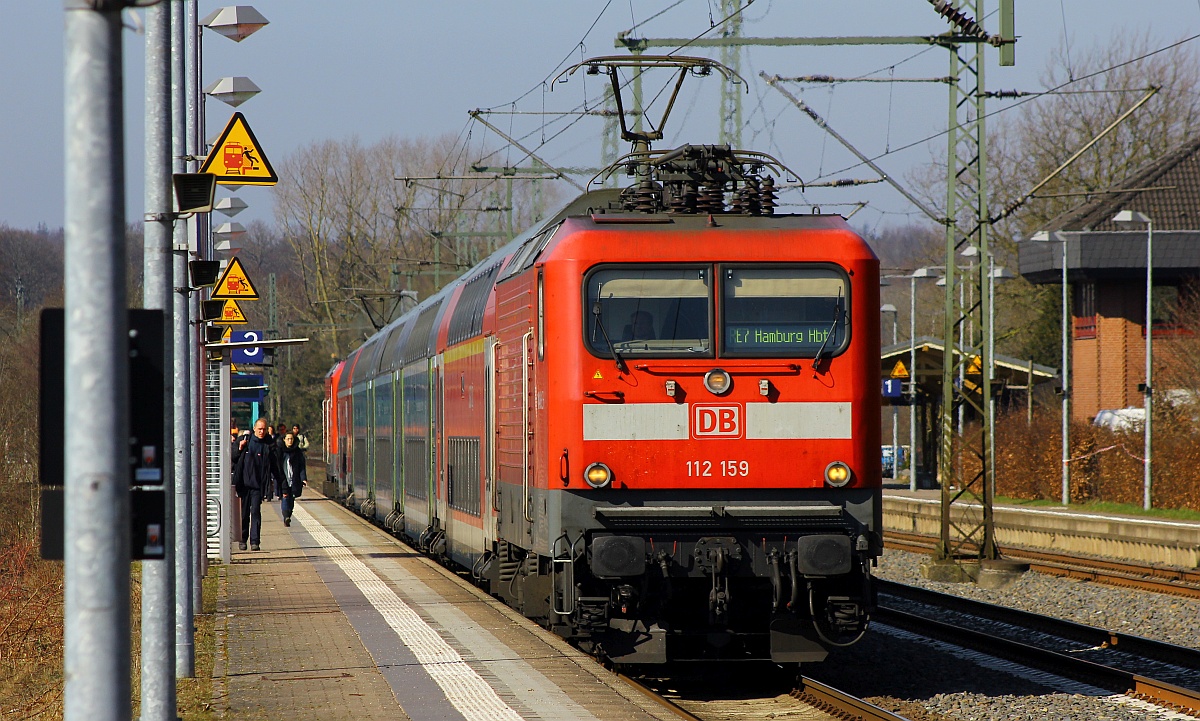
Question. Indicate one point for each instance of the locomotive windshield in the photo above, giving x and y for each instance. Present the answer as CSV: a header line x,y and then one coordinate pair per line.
x,y
783,311
659,311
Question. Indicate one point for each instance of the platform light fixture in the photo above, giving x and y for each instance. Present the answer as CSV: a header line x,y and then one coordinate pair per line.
x,y
236,22
229,231
232,90
230,207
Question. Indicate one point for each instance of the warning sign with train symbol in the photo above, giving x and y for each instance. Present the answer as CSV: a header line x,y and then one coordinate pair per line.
x,y
231,314
237,158
234,285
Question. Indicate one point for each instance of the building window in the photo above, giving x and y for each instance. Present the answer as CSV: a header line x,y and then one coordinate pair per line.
x,y
1085,310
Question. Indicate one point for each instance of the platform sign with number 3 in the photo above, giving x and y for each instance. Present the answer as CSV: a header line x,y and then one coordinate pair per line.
x,y
251,356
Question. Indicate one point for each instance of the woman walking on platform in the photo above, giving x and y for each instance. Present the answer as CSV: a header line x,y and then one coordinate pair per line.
x,y
295,476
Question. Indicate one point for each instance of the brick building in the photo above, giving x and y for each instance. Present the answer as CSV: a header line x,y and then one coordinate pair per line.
x,y
1106,270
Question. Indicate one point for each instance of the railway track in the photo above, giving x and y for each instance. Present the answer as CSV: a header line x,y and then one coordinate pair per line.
x,y
1143,577
809,699
1115,662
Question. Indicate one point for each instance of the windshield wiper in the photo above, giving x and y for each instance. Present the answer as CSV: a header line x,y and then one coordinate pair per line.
x,y
611,348
837,318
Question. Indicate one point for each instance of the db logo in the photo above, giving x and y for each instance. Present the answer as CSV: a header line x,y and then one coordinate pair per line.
x,y
719,421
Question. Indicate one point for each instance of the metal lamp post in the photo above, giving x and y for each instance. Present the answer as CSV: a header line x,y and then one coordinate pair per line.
x,y
889,308
927,272
1043,236
236,23
996,274
1126,218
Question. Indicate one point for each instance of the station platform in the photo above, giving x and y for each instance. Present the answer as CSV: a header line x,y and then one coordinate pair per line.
x,y
1071,529
335,619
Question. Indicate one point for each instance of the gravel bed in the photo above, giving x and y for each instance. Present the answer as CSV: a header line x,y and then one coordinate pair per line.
x,y
1152,615
1188,678
898,670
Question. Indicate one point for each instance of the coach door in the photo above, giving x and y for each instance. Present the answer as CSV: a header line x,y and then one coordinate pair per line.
x,y
515,390
369,459
491,487
530,383
438,507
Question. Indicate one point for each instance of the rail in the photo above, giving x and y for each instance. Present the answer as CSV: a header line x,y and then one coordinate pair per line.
x,y
1110,678
1143,577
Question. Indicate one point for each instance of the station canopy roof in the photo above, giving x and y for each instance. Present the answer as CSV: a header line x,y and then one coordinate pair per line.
x,y
930,352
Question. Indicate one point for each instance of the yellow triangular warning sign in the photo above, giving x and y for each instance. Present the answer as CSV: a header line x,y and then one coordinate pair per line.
x,y
234,284
227,335
232,313
597,376
237,158
975,367
899,371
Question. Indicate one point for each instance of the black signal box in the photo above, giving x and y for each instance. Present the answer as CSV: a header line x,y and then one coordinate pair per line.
x,y
147,429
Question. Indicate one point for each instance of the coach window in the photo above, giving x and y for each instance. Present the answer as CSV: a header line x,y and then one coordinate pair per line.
x,y
784,311
649,311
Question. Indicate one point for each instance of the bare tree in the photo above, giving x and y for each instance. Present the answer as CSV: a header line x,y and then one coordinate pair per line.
x,y
355,229
1027,143
1025,149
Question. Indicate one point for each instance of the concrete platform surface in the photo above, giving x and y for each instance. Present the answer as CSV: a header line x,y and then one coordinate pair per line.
x,y
335,619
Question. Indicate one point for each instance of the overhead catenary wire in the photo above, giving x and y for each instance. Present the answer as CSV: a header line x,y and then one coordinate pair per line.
x,y
1051,91
625,83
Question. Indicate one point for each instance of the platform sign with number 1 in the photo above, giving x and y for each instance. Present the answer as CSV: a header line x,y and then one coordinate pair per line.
x,y
249,356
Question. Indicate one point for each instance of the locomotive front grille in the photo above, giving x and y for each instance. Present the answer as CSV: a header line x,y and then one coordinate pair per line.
x,y
811,516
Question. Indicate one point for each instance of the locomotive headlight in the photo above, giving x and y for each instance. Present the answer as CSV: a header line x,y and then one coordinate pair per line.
x,y
837,474
598,475
718,382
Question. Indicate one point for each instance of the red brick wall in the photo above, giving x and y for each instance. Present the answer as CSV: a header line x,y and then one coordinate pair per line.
x,y
1106,369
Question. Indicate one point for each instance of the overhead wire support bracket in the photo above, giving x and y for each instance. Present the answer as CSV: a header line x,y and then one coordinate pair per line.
x,y
1016,204
945,80
774,82
478,116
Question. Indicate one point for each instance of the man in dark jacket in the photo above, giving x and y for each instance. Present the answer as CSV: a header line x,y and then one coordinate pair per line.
x,y
257,468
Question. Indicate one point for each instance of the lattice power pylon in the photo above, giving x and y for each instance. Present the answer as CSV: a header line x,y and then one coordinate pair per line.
x,y
731,57
965,460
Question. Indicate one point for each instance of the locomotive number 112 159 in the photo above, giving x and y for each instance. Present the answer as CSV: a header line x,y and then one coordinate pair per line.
x,y
727,469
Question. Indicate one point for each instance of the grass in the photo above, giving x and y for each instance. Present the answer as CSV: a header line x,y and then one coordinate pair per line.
x,y
31,638
1124,509
194,695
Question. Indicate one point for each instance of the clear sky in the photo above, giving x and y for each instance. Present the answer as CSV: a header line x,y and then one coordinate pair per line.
x,y
372,68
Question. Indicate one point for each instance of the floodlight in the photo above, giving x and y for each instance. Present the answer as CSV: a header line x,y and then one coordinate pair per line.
x,y
204,272
194,192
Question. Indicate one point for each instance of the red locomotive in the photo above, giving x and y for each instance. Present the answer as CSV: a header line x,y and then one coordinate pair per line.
x,y
651,422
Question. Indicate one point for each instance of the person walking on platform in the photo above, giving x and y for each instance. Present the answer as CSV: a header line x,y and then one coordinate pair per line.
x,y
275,435
258,467
301,439
295,476
237,444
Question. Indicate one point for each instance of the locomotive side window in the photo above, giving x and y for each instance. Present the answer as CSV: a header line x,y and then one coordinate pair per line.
x,y
649,311
784,311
